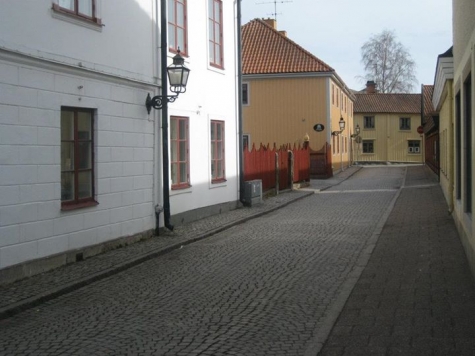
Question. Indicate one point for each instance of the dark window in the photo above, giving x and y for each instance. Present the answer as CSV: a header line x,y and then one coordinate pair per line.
x,y
215,22
368,146
368,122
179,143
177,26
85,9
458,146
404,123
218,169
246,140
77,158
468,143
245,93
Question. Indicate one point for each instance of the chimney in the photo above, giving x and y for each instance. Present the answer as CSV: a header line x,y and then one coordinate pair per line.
x,y
271,22
370,87
283,33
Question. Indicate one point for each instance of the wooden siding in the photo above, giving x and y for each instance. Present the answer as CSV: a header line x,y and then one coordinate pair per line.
x,y
390,143
446,133
284,110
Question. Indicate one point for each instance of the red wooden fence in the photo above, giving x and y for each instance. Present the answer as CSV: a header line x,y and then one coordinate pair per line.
x,y
261,164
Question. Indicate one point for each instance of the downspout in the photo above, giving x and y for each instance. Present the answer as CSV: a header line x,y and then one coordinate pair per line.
x,y
166,163
240,124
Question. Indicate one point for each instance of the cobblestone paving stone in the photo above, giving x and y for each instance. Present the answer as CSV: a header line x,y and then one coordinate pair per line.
x,y
260,288
416,295
33,288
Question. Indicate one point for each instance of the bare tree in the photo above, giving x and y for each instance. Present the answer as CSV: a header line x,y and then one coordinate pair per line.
x,y
388,63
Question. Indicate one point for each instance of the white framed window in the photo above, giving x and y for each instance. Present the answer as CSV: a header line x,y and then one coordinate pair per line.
x,y
414,146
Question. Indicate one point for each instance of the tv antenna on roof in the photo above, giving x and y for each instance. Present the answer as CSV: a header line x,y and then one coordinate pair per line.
x,y
275,6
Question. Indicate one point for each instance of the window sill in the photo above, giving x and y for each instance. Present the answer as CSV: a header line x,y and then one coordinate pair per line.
x,y
60,14
218,181
74,206
181,186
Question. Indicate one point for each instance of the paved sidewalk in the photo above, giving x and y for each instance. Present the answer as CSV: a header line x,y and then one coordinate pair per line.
x,y
32,291
416,295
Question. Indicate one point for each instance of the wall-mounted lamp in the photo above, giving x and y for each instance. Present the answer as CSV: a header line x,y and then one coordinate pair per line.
x,y
178,77
341,123
357,131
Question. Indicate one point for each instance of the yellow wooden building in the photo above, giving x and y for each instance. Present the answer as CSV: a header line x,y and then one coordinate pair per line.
x,y
288,94
464,123
388,128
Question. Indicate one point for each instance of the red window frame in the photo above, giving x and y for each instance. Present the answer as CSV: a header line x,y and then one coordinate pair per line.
x,y
174,26
75,12
218,152
179,142
215,21
77,141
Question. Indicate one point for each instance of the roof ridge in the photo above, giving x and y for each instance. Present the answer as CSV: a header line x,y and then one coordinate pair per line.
x,y
295,44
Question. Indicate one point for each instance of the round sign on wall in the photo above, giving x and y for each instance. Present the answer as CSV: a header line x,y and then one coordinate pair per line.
x,y
420,130
319,127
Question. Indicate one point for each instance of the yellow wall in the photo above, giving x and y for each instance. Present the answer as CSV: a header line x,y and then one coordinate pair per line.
x,y
285,110
390,143
446,142
464,66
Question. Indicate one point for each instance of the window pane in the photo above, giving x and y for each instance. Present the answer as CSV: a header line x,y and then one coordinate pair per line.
x,y
84,155
211,30
219,148
213,128
180,18
67,156
67,4
219,130
181,39
174,174
217,54
182,151
85,184
217,33
210,8
67,186
211,52
84,126
173,131
213,170
171,36
183,172
67,125
171,11
220,168
217,7
85,7
182,130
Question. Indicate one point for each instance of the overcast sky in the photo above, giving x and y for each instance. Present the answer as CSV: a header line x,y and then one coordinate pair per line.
x,y
335,30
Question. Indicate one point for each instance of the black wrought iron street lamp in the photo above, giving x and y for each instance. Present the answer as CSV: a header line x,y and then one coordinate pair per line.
x,y
357,131
178,78
341,123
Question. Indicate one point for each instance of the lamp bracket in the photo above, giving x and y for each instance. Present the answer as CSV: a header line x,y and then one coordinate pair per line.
x,y
157,101
336,133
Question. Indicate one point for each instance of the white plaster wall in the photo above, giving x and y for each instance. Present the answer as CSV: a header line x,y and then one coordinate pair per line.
x,y
51,63
32,224
124,45
211,95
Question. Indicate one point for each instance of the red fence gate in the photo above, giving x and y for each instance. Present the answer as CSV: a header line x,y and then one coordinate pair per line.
x,y
266,163
321,163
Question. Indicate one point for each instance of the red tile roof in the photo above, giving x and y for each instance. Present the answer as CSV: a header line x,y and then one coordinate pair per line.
x,y
267,51
387,103
427,91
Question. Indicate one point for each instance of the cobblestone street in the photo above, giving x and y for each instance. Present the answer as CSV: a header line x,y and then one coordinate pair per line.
x,y
274,285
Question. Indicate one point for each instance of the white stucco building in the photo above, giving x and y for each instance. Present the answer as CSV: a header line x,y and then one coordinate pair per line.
x,y
80,158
